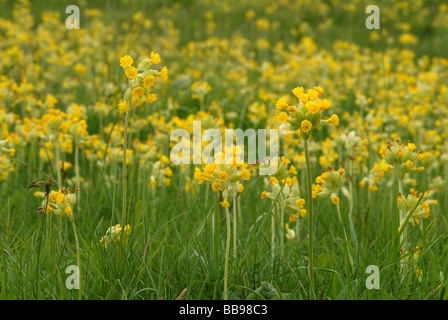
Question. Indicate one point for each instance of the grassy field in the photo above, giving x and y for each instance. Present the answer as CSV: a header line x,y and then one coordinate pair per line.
x,y
361,183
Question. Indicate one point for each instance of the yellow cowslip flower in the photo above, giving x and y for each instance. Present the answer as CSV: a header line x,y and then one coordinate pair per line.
x,y
155,58
60,197
199,175
164,74
281,103
245,174
283,117
240,188
411,146
216,186
312,94
151,98
68,210
312,106
168,171
131,72
273,181
319,90
225,203
123,107
138,91
292,170
300,203
223,176
334,119
335,200
137,101
126,61
288,182
49,145
210,169
324,104
297,92
148,81
305,125
264,195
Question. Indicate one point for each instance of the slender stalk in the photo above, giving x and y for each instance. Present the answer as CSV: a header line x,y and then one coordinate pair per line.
x,y
78,196
78,259
401,212
125,143
310,220
272,239
215,247
42,226
344,233
282,236
234,227
226,262
58,167
350,185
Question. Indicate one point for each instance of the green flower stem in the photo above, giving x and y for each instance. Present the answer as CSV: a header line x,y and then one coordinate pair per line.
x,y
282,236
226,263
234,226
58,168
272,238
78,259
310,220
341,221
215,244
78,196
401,212
125,143
350,185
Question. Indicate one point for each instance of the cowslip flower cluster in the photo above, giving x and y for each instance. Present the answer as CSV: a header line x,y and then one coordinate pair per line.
x,y
141,80
199,89
61,203
307,114
224,174
411,260
113,235
402,158
328,184
5,163
420,208
285,191
375,174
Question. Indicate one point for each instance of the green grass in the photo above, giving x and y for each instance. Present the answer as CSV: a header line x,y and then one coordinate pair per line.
x,y
171,249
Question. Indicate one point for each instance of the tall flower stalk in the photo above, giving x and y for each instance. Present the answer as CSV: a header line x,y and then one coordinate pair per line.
x,y
327,186
310,218
141,79
307,115
285,195
224,174
403,160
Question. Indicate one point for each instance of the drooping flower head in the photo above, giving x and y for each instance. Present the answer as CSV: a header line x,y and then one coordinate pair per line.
x,y
307,113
